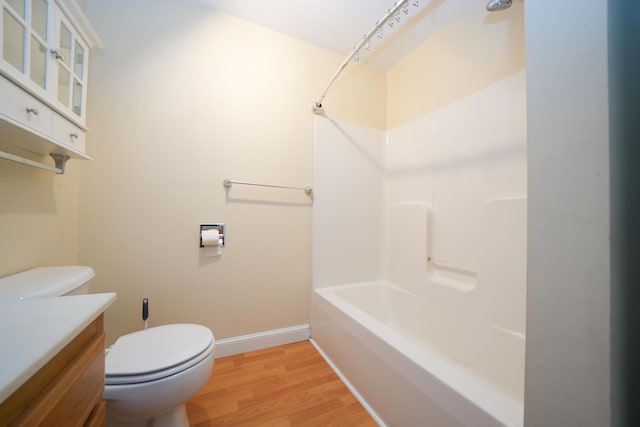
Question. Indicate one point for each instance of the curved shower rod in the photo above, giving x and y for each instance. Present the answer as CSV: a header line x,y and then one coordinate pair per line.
x,y
316,107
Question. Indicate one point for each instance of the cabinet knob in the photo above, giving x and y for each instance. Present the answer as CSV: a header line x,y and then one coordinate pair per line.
x,y
57,54
73,135
33,110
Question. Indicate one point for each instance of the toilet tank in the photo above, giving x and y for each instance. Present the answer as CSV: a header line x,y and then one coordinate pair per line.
x,y
44,282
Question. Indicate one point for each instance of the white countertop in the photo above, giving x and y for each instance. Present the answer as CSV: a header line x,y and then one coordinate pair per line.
x,y
32,331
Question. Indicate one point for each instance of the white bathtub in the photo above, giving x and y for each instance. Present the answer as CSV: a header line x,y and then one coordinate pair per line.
x,y
416,365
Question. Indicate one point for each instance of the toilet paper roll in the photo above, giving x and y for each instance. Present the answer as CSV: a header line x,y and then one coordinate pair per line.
x,y
211,241
211,237
211,251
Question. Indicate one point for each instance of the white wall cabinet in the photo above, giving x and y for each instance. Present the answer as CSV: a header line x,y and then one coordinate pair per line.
x,y
44,56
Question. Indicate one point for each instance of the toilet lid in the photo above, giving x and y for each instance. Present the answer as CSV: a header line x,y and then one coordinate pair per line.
x,y
44,282
157,349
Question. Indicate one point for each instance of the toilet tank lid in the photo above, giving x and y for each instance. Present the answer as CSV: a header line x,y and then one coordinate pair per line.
x,y
157,349
44,282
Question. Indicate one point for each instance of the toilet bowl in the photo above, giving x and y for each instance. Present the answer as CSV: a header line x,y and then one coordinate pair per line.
x,y
149,374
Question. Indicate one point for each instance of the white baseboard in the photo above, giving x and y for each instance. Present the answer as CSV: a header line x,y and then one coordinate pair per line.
x,y
350,386
260,340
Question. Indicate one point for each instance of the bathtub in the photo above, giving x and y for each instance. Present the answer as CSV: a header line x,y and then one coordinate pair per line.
x,y
380,339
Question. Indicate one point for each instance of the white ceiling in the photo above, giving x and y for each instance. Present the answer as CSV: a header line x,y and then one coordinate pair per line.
x,y
339,25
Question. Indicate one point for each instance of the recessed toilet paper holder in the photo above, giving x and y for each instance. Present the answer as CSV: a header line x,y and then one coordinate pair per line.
x,y
219,227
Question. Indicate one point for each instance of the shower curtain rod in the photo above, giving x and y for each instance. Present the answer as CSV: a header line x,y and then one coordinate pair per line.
x,y
316,107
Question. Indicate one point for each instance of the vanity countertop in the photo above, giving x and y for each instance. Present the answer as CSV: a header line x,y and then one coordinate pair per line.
x,y
32,331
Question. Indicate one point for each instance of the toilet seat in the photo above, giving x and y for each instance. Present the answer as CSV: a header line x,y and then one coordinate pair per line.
x,y
156,353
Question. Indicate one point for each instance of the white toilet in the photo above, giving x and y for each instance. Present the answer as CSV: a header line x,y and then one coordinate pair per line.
x,y
149,374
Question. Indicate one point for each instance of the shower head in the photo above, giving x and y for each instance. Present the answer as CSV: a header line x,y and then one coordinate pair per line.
x,y
496,5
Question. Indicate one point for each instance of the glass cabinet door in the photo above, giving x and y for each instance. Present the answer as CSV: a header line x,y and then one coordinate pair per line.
x,y
38,55
41,51
25,38
71,56
78,78
63,55
13,32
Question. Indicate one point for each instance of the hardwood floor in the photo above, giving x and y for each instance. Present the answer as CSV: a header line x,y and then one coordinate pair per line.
x,y
289,385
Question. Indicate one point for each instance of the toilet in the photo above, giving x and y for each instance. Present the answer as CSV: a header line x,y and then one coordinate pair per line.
x,y
149,374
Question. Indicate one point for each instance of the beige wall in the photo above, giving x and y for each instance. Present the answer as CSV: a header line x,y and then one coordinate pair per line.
x,y
182,98
470,53
38,215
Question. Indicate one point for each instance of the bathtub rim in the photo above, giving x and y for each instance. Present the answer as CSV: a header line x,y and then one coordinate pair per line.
x,y
477,392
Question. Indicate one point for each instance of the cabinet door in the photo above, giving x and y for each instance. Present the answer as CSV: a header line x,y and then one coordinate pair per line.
x,y
24,41
71,57
42,52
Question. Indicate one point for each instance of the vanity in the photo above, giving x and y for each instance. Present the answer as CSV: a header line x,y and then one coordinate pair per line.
x,y
52,360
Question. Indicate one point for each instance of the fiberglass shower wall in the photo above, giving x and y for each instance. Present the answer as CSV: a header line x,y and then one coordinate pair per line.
x,y
348,167
454,206
437,206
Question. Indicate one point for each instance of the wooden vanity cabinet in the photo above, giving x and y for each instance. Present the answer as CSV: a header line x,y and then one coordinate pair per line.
x,y
67,391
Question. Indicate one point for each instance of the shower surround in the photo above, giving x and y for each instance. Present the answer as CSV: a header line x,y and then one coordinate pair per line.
x,y
419,260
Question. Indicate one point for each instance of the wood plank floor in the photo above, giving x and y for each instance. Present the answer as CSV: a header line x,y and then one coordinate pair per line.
x,y
289,385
